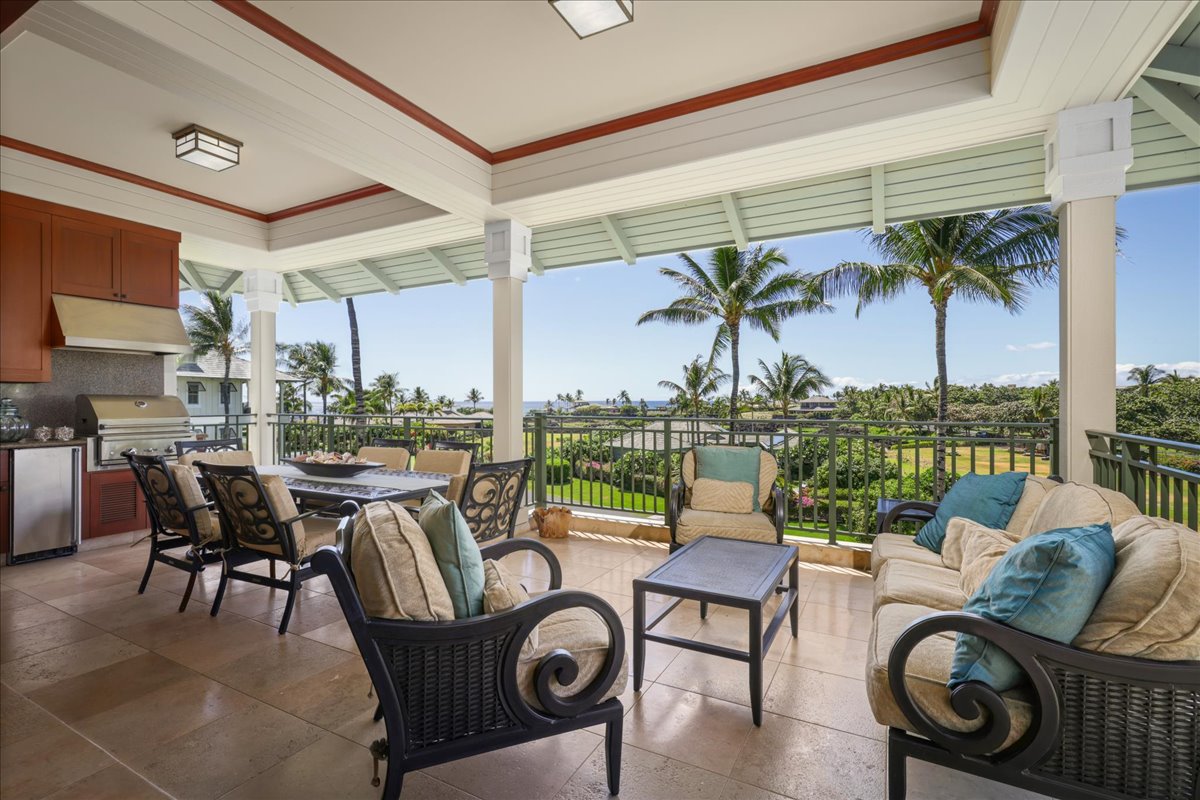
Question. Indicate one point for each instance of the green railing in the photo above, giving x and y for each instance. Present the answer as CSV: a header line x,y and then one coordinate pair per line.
x,y
235,426
1161,476
302,433
833,471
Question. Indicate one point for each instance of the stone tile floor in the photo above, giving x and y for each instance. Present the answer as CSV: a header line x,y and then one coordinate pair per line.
x,y
107,694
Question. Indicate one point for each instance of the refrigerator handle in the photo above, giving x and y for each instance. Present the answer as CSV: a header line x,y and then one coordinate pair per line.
x,y
77,495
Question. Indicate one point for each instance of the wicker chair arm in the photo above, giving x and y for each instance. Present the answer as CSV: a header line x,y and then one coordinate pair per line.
x,y
902,509
781,512
506,547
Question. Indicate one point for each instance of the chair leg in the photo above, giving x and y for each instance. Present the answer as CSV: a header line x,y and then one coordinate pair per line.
x,y
612,754
187,594
291,601
394,783
272,569
149,568
216,606
896,777
703,610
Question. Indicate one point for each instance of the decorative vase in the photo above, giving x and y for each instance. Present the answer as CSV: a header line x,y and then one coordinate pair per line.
x,y
13,427
553,522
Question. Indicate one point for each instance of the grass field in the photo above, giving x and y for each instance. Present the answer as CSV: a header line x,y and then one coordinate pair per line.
x,y
958,459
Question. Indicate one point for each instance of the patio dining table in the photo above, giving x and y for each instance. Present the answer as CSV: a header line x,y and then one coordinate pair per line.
x,y
365,487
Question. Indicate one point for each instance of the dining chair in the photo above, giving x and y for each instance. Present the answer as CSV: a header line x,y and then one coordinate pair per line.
x,y
408,444
455,463
263,523
494,494
179,517
450,444
390,457
214,451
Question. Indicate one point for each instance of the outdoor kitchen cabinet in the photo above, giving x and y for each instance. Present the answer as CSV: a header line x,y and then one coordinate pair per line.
x,y
25,236
113,503
97,256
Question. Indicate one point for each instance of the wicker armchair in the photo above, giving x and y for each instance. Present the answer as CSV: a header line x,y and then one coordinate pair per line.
x,y
1102,726
764,526
449,690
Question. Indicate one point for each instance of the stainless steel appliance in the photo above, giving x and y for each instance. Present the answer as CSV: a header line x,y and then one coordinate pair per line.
x,y
47,503
146,424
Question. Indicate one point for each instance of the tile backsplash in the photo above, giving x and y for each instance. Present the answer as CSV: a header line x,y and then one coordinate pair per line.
x,y
83,372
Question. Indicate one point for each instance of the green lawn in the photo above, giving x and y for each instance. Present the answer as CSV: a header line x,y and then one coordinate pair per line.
x,y
601,495
959,459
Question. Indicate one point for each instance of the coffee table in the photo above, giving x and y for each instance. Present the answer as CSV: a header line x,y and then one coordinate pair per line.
x,y
726,572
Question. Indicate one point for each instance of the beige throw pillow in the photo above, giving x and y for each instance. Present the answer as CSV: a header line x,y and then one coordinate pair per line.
x,y
1072,505
501,591
1032,496
981,551
958,531
729,497
394,567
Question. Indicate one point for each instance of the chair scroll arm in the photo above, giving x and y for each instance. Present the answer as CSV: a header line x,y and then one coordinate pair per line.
x,y
781,512
505,547
902,509
675,506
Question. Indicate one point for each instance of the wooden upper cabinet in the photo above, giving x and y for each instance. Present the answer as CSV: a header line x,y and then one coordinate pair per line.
x,y
25,237
87,258
149,270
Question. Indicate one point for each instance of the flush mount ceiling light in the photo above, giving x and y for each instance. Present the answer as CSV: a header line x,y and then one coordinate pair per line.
x,y
206,148
589,17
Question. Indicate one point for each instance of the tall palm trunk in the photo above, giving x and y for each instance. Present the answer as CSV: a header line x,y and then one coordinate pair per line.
x,y
355,357
939,449
735,372
226,390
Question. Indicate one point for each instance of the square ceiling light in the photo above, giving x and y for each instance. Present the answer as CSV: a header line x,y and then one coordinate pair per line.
x,y
589,17
207,148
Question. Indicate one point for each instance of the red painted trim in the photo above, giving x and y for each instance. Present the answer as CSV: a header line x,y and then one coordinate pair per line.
x,y
987,14
326,202
12,10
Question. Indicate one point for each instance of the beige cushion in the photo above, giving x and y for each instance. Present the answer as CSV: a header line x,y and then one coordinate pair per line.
x,y
390,457
888,546
1151,608
694,523
768,470
730,497
958,531
926,674
1035,491
207,525
981,551
394,567
1071,505
918,584
446,462
318,532
501,591
224,458
584,635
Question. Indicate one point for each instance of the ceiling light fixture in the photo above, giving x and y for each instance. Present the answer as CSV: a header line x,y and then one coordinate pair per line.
x,y
589,17
206,148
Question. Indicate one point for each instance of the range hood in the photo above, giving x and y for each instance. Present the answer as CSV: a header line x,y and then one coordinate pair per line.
x,y
88,324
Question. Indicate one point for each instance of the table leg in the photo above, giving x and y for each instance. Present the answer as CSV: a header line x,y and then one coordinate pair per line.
x,y
794,611
756,664
639,637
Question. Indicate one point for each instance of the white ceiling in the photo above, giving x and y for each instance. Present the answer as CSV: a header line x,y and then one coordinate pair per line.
x,y
505,72
89,110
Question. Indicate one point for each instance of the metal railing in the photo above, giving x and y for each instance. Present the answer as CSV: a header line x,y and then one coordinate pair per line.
x,y
235,426
1162,477
293,434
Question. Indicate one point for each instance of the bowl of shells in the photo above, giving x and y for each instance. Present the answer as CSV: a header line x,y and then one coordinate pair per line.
x,y
320,464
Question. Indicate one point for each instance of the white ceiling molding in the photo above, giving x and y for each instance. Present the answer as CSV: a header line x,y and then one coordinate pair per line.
x,y
447,266
624,249
1174,103
734,217
1175,63
320,285
381,277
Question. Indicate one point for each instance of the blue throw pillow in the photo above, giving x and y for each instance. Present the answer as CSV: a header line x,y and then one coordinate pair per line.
x,y
986,499
730,464
457,555
1047,585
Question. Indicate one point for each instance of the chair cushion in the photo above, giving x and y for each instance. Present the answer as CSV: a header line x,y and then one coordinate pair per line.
x,y
224,458
889,546
694,523
1151,608
731,464
768,470
283,506
584,635
390,457
1071,505
1047,585
918,584
926,674
730,497
501,591
394,567
446,462
987,499
456,553
318,532
207,526
1034,492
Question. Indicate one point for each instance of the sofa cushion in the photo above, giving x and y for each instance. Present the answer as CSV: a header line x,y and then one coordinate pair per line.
x,y
394,567
731,464
959,533
1151,608
1072,505
926,674
918,584
768,470
694,523
982,549
987,499
1032,494
1047,585
889,546
456,553
584,635
730,497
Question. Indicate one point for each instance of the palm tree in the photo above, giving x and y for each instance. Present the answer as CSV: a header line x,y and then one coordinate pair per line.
x,y
739,286
623,398
1043,404
700,380
1143,378
474,396
985,257
355,357
420,396
320,364
384,390
213,328
578,395
788,380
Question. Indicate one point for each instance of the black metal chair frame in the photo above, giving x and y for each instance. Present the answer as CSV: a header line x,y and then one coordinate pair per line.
x,y
904,512
1103,726
408,444
675,506
222,482
207,446
450,444
485,528
449,690
164,538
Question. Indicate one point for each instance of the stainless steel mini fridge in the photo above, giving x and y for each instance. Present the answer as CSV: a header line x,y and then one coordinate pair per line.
x,y
46,502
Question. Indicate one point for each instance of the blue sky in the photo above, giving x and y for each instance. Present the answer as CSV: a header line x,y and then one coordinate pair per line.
x,y
580,331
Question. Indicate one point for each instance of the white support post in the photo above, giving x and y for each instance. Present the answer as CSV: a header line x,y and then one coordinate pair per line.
x,y
1088,150
507,252
263,291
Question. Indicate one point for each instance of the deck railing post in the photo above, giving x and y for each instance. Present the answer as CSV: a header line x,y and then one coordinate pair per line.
x,y
667,456
539,458
1054,446
280,439
831,460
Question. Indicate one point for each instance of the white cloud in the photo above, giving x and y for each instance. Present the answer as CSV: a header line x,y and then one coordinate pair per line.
x,y
1187,369
842,381
1024,378
1023,348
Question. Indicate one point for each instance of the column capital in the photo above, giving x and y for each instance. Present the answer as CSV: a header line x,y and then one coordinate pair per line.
x,y
507,249
262,289
1088,150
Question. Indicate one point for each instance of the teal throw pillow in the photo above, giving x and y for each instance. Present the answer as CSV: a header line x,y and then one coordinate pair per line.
x,y
456,553
986,499
1047,585
730,464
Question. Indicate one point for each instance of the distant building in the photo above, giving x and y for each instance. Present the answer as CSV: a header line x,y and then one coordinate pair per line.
x,y
198,382
813,404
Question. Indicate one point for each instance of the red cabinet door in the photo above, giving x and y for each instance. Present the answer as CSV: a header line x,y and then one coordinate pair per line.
x,y
24,294
149,270
86,258
114,504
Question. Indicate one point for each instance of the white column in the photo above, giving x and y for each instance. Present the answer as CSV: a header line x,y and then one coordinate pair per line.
x,y
506,250
1088,150
263,291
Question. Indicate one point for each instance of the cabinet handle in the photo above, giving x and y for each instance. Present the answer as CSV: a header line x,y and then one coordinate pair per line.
x,y
124,296
116,295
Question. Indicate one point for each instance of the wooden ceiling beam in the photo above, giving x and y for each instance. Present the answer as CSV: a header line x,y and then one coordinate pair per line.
x,y
1175,63
320,285
192,276
1173,103
227,285
736,226
381,277
442,260
624,248
878,202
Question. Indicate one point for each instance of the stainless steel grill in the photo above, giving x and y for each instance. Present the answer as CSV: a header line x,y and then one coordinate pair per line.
x,y
115,423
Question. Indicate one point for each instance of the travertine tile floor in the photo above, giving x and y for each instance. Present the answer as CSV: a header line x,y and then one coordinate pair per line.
x,y
108,694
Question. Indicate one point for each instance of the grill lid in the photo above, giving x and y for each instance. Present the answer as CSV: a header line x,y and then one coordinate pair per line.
x,y
96,413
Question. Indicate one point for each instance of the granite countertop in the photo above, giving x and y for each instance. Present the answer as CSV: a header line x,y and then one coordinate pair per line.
x,y
78,442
